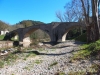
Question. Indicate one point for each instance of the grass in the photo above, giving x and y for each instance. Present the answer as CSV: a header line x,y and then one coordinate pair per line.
x,y
88,50
83,54
1,37
30,54
26,67
54,63
34,42
7,60
94,67
61,73
38,61
92,71
13,38
76,73
12,57
41,49
1,64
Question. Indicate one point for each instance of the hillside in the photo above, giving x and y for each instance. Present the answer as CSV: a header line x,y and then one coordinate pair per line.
x,y
25,23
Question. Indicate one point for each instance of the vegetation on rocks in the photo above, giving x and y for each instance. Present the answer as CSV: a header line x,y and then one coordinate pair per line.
x,y
38,61
8,59
11,57
81,38
1,37
88,50
54,63
76,73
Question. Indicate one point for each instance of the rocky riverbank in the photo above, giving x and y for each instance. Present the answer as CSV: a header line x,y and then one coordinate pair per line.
x,y
49,62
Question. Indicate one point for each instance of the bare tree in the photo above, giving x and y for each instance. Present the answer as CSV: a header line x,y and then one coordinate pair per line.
x,y
72,12
90,8
85,10
59,16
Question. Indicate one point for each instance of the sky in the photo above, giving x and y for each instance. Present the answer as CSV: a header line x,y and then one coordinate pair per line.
x,y
14,11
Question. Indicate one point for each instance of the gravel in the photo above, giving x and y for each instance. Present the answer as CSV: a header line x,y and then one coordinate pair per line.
x,y
59,54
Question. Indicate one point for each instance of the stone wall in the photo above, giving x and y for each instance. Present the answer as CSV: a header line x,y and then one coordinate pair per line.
x,y
6,44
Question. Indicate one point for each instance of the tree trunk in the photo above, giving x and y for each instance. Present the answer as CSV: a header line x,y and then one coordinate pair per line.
x,y
96,28
95,21
92,28
88,28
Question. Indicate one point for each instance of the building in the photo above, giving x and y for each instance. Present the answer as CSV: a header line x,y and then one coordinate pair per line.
x,y
3,32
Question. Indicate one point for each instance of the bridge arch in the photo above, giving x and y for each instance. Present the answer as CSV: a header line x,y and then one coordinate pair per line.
x,y
57,31
68,29
26,36
11,35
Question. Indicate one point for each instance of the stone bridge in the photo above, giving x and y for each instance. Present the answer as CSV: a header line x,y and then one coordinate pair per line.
x,y
57,31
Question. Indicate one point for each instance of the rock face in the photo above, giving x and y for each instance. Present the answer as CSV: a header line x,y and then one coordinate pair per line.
x,y
48,62
40,44
4,52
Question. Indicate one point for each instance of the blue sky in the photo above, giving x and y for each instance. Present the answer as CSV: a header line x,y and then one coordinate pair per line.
x,y
13,11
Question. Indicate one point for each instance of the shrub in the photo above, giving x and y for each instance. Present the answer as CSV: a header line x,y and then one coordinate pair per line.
x,y
81,38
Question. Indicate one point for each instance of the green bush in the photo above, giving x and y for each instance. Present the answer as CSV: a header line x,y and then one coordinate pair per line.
x,y
1,37
1,64
81,38
88,50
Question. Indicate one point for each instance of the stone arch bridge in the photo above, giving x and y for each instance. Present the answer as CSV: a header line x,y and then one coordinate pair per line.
x,y
57,31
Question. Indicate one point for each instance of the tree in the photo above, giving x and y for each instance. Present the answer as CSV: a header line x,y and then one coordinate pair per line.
x,y
59,16
3,25
99,10
72,13
84,10
92,26
26,23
